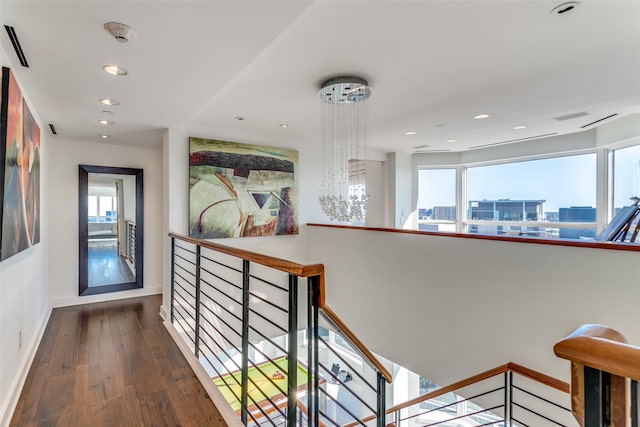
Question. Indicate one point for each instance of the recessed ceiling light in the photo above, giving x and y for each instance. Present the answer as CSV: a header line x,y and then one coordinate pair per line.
x,y
481,116
103,136
519,127
107,112
451,140
283,125
240,118
107,101
441,125
114,70
411,132
105,122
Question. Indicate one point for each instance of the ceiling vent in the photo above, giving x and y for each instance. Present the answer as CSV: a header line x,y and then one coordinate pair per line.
x,y
16,45
571,116
422,151
512,140
53,129
121,32
598,121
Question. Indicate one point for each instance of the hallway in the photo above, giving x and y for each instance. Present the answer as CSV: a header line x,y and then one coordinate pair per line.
x,y
112,364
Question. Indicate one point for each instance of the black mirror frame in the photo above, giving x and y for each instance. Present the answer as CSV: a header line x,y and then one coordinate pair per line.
x,y
83,230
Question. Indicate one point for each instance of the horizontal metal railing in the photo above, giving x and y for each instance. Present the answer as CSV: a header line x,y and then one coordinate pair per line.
x,y
238,312
509,395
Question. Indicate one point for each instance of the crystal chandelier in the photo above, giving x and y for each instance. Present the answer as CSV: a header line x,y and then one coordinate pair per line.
x,y
343,196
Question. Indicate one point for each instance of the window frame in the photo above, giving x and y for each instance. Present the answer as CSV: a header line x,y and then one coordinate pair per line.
x,y
603,189
457,178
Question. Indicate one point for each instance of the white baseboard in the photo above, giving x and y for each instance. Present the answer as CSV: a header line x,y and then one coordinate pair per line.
x,y
218,399
111,296
11,400
164,313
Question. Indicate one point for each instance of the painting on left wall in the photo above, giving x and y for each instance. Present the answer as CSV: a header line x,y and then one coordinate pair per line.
x,y
19,171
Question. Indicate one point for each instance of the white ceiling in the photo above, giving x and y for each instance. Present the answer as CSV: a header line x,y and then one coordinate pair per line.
x,y
429,63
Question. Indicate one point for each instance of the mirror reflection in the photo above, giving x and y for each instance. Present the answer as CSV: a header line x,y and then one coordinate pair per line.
x,y
110,229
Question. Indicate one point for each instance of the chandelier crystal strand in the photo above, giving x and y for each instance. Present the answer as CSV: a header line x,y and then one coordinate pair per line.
x,y
343,194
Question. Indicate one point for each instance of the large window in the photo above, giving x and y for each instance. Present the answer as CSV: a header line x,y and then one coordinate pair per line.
x,y
437,199
626,176
102,208
553,197
532,198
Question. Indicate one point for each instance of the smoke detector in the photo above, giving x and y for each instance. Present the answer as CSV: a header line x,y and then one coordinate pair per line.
x,y
121,32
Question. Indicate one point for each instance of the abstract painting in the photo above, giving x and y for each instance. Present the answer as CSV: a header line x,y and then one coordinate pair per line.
x,y
20,171
241,190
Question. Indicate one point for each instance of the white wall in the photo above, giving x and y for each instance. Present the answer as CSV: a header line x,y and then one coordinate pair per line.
x,y
176,194
63,196
24,296
399,173
129,190
448,308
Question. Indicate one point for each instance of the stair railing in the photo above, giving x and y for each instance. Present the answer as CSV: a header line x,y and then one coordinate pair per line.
x,y
508,395
356,379
605,371
238,311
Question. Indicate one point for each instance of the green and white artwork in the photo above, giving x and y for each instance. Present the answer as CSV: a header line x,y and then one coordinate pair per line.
x,y
241,190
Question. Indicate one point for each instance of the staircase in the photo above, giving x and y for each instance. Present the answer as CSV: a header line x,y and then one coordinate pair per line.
x,y
274,353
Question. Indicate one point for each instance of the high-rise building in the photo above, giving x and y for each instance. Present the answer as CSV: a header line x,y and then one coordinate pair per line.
x,y
506,210
445,213
577,214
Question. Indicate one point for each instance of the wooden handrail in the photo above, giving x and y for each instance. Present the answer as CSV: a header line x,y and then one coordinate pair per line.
x,y
601,348
290,267
539,377
634,247
507,367
356,341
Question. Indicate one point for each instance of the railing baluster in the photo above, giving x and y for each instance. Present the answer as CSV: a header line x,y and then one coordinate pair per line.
x,y
310,362
594,397
244,381
313,368
173,274
197,303
292,398
381,400
635,404
510,398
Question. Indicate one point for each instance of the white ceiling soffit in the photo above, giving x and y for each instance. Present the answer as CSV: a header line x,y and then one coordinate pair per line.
x,y
433,66
185,53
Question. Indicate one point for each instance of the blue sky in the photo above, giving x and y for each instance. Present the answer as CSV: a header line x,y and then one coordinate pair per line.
x,y
562,182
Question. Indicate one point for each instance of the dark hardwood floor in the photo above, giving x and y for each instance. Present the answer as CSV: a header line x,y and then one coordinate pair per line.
x,y
112,364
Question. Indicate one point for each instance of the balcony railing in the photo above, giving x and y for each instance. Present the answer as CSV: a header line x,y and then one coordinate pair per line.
x,y
509,395
240,314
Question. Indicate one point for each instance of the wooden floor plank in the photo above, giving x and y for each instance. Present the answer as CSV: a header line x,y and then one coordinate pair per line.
x,y
112,364
101,358
156,412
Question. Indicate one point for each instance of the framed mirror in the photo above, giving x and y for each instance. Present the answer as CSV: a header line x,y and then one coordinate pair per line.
x,y
110,229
